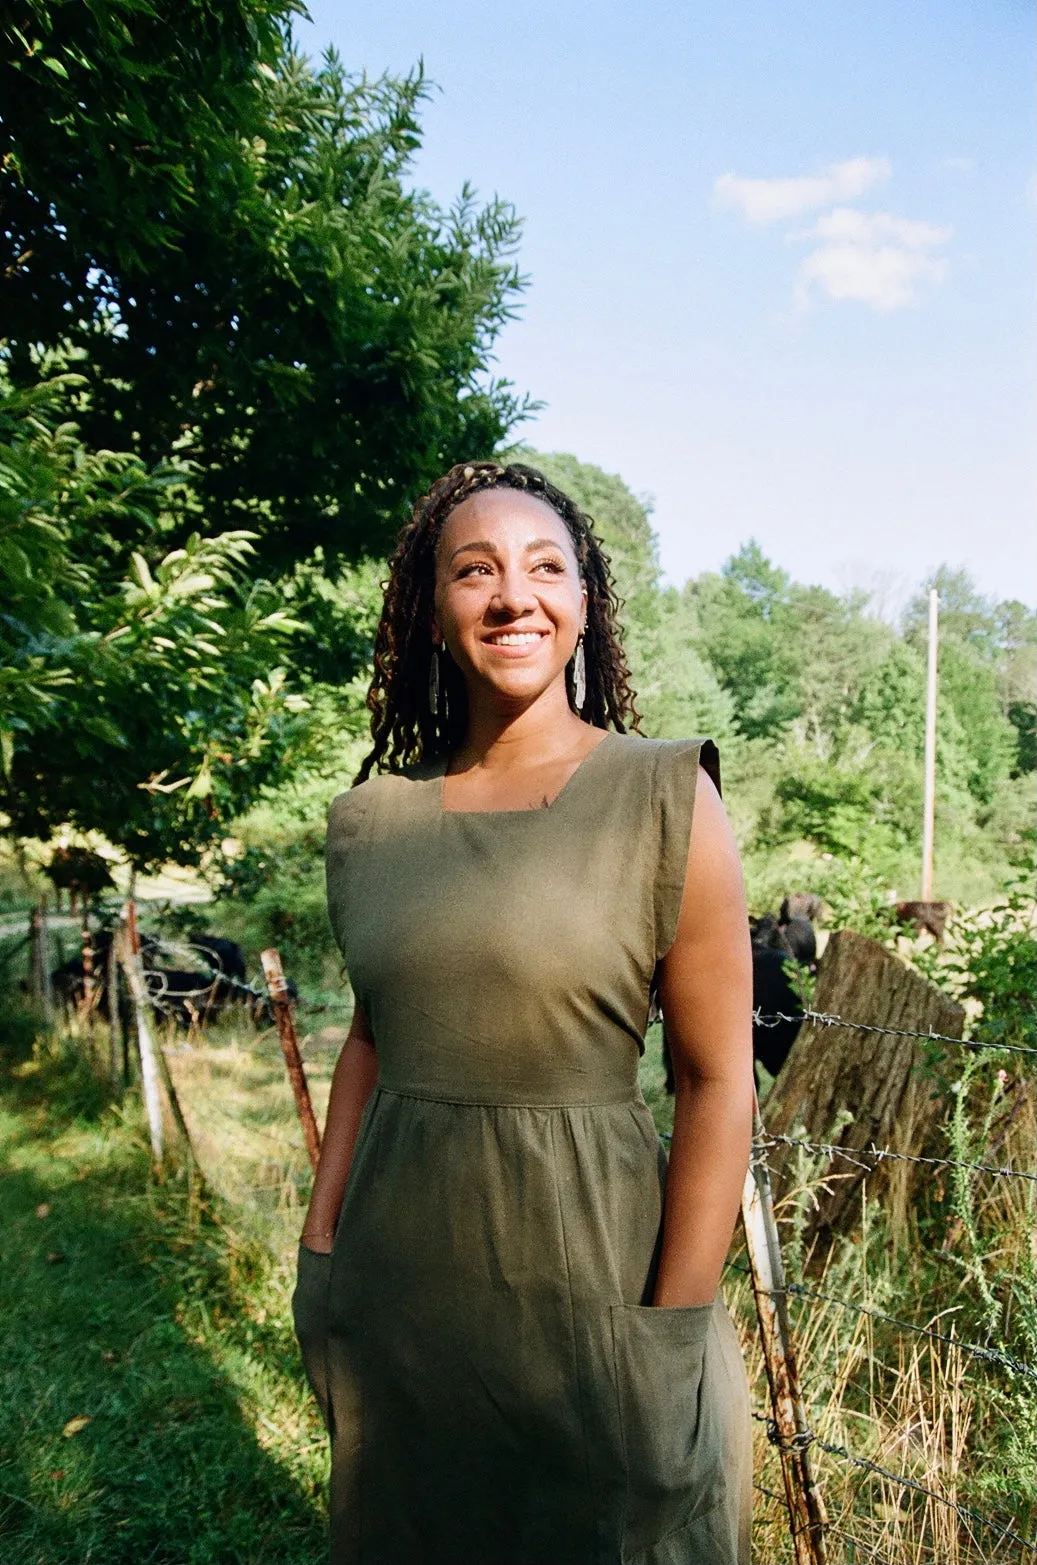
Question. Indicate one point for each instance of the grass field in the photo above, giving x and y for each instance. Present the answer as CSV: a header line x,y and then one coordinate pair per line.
x,y
153,1405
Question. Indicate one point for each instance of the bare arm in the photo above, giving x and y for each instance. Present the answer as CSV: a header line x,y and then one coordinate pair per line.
x,y
705,986
356,1075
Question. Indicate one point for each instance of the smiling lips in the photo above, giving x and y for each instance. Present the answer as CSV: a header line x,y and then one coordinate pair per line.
x,y
515,641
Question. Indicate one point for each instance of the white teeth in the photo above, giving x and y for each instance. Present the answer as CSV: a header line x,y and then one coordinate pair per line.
x,y
519,639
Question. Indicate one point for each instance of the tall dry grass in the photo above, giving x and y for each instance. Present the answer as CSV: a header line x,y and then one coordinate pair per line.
x,y
930,1411
936,1256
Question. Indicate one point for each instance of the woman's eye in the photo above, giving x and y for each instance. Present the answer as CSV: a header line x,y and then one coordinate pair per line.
x,y
470,570
555,567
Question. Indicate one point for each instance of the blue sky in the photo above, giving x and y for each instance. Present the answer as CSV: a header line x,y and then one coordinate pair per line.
x,y
780,258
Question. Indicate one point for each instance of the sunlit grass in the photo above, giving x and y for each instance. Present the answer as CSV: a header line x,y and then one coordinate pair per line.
x,y
165,1322
152,1403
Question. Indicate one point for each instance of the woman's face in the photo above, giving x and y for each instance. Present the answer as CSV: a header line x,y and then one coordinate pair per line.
x,y
509,601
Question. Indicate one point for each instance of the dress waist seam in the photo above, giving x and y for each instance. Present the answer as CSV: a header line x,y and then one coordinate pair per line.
x,y
632,1099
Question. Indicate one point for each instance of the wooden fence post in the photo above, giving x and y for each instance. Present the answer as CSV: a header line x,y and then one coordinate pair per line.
x,y
277,988
807,1517
39,960
155,1074
129,960
89,998
117,1056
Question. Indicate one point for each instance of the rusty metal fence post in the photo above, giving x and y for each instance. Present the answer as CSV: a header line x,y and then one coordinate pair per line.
x,y
807,1518
277,988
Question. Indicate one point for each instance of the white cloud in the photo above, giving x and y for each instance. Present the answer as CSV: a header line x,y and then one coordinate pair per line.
x,y
872,258
772,200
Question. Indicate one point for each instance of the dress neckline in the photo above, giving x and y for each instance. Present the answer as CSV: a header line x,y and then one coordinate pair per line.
x,y
540,809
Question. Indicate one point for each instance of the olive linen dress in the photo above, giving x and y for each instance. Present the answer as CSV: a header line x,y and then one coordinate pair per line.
x,y
497,1389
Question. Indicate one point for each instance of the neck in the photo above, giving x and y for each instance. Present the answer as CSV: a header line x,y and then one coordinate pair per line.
x,y
497,739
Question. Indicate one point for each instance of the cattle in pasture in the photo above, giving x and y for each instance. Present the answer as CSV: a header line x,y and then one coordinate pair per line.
x,y
932,916
185,995
800,941
224,956
775,944
774,995
765,932
801,904
84,875
68,985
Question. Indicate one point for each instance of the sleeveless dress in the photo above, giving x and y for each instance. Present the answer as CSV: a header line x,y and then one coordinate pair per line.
x,y
497,1388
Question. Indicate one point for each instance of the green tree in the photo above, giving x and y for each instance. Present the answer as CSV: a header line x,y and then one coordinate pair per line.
x,y
980,665
242,272
149,707
744,616
276,341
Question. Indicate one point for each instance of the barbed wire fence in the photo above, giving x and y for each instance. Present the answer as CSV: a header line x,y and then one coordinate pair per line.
x,y
809,1544
788,1428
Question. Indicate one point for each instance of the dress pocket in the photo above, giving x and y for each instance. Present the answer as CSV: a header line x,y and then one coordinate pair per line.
x,y
310,1314
672,1451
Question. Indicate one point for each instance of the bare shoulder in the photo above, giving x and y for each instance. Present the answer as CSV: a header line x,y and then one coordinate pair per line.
x,y
714,893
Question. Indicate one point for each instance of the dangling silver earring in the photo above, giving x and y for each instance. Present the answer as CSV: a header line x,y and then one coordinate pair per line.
x,y
580,676
433,683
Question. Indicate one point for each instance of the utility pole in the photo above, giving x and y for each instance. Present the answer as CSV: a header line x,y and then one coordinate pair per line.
x,y
929,812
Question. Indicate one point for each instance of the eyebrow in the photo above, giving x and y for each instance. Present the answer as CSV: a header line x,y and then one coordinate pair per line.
x,y
483,546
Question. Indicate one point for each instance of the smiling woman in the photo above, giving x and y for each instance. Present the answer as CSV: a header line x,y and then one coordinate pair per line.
x,y
406,726
507,1302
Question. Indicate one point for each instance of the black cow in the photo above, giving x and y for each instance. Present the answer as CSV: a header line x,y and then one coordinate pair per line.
x,y
183,996
68,984
774,943
800,904
773,995
224,956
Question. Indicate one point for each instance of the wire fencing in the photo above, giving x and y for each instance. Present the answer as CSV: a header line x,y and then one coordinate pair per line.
x,y
824,1019
813,1544
997,1532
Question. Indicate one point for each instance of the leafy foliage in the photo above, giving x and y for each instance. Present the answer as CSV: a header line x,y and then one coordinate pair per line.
x,y
241,272
237,341
147,706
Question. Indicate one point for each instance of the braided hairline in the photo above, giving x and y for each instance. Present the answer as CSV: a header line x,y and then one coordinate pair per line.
x,y
403,728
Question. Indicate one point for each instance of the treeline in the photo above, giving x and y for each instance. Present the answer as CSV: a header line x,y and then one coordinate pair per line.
x,y
237,342
818,706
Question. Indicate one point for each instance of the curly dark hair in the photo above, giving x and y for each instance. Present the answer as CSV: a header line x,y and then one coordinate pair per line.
x,y
404,729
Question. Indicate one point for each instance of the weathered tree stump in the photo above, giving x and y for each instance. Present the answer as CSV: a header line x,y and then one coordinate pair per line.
x,y
881,1084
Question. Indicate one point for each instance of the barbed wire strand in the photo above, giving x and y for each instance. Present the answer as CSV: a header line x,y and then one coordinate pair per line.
x,y
990,1355
809,1438
255,993
824,1019
857,1545
851,1154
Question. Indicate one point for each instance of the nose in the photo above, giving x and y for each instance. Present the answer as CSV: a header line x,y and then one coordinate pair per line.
x,y
513,596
